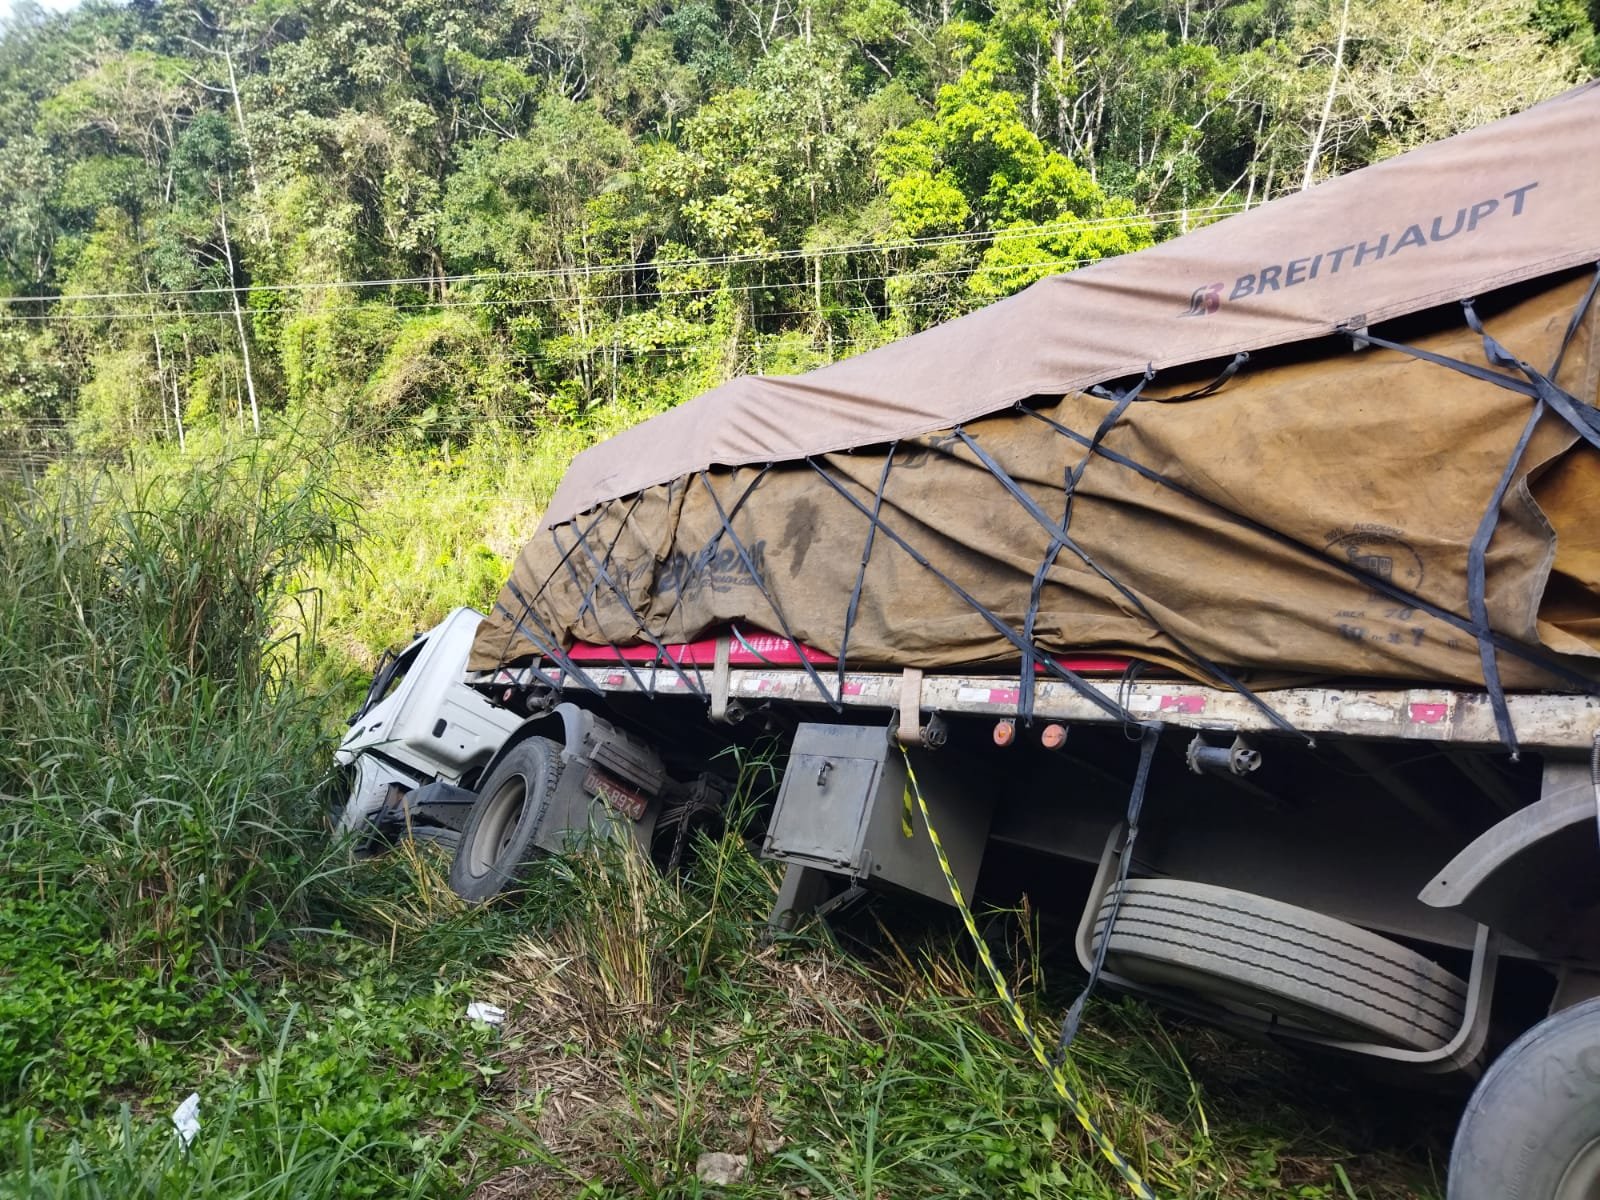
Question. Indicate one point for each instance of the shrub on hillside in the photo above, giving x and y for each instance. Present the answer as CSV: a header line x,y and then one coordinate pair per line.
x,y
442,379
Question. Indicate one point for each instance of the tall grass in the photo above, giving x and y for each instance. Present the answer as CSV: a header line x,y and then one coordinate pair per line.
x,y
155,755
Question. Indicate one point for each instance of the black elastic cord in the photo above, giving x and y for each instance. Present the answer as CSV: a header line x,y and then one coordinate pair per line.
x,y
1107,424
661,650
702,560
550,645
516,624
1036,590
1061,536
1471,370
1074,476
1572,326
866,556
1477,585
1585,421
589,605
749,649
1076,682
833,701
1378,584
1149,736
1216,385
506,647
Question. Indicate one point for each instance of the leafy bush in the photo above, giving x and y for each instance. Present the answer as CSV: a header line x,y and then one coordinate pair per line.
x,y
372,1100
442,379
77,1019
328,354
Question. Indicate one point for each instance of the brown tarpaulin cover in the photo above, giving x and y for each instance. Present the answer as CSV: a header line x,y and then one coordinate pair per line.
x,y
1371,459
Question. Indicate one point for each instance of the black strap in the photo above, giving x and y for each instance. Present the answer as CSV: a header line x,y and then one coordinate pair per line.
x,y
1053,552
1061,537
702,560
1477,585
1107,424
748,648
516,623
1076,682
1578,315
633,614
1150,735
589,605
1585,421
1216,385
1378,584
866,556
549,645
833,701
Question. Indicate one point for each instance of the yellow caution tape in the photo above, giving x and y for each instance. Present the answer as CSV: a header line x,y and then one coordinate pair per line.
x,y
1131,1177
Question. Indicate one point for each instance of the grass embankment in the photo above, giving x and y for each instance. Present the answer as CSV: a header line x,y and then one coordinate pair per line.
x,y
173,919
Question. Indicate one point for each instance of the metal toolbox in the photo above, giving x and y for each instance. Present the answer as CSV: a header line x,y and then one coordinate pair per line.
x,y
842,808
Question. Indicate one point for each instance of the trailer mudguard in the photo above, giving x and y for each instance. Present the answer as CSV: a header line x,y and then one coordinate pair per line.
x,y
1533,875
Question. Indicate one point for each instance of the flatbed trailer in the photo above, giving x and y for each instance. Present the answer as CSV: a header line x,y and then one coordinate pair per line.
x,y
1383,884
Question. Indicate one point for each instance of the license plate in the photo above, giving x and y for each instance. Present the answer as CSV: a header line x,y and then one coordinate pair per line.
x,y
622,798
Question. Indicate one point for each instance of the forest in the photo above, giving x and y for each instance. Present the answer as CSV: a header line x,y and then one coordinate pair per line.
x,y
305,305
412,219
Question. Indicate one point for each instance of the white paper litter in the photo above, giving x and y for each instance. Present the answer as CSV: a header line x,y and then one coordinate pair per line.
x,y
489,1014
186,1119
720,1170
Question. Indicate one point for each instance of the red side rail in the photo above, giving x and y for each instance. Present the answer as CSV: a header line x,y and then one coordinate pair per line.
x,y
768,649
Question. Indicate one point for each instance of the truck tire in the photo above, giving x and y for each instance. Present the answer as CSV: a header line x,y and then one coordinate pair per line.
x,y
498,839
1532,1128
1303,970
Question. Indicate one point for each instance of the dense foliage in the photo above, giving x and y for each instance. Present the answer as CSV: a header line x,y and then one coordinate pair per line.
x,y
419,217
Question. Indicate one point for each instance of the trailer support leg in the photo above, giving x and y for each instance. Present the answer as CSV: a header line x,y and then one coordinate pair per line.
x,y
803,890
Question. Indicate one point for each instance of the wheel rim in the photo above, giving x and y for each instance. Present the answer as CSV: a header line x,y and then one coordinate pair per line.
x,y
1581,1181
499,824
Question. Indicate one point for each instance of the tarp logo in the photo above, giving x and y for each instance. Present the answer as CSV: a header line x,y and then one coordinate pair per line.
x,y
714,570
1418,235
1205,301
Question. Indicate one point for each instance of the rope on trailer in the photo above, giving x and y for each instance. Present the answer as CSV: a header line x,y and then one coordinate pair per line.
x,y
590,604
1150,734
1058,1080
1060,538
1503,369
1541,387
516,621
1377,583
854,606
1069,485
661,651
551,645
1071,678
832,701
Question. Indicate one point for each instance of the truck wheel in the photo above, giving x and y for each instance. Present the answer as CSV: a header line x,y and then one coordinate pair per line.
x,y
498,838
1532,1128
1302,969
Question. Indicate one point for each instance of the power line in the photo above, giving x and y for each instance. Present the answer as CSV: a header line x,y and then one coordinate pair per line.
x,y
583,270
167,316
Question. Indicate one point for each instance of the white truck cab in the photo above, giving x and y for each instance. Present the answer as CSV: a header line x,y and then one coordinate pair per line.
x,y
420,723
